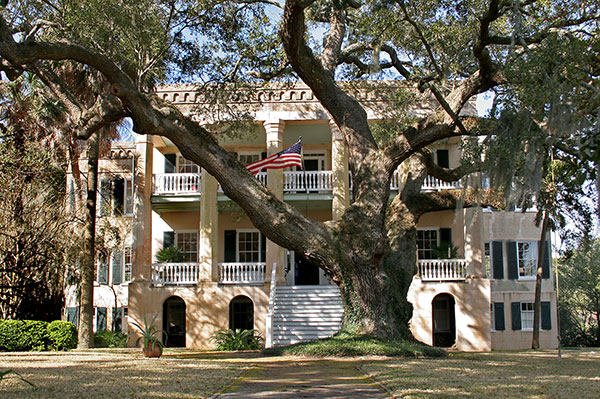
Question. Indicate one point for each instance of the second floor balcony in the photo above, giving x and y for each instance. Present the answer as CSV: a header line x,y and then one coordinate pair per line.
x,y
293,182
442,269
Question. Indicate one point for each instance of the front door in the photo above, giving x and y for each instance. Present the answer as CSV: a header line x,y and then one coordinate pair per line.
x,y
305,272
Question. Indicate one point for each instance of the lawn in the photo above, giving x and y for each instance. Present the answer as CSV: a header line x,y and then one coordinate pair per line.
x,y
496,375
116,374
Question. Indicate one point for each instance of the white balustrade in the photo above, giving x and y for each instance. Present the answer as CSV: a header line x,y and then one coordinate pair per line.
x,y
242,273
432,183
175,273
442,269
176,183
311,180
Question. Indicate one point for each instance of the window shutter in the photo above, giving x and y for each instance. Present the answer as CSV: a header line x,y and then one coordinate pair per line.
x,y
499,316
511,255
170,161
443,158
497,260
263,248
168,239
515,308
118,319
546,261
445,236
546,317
72,315
117,267
100,319
263,155
103,204
229,246
102,277
118,195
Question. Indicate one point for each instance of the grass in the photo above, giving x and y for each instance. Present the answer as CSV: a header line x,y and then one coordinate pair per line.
x,y
351,345
116,373
497,375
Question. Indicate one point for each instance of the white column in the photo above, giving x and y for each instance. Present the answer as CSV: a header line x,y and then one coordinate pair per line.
x,y
209,230
142,211
274,253
339,165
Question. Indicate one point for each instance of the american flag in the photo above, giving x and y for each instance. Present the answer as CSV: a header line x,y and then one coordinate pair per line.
x,y
291,156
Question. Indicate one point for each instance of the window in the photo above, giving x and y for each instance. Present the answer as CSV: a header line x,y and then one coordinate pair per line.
x,y
527,258
527,315
127,262
241,313
248,246
187,242
487,259
426,242
128,200
101,319
186,166
245,159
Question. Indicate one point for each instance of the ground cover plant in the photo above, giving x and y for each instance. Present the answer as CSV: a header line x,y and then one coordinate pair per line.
x,y
362,345
122,373
498,375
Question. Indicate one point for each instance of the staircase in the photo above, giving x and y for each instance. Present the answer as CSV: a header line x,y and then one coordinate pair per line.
x,y
306,312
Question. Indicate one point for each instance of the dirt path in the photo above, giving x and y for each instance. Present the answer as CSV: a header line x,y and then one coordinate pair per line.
x,y
305,378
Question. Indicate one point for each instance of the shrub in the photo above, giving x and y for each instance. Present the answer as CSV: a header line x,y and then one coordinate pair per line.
x,y
23,335
110,339
236,340
62,334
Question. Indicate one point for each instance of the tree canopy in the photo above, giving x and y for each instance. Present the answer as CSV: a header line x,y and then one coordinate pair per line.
x,y
540,58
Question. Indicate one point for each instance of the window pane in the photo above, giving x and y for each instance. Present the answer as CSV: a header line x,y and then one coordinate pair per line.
x,y
248,246
426,241
187,242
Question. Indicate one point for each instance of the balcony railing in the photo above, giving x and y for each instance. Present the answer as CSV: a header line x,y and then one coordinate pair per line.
x,y
176,183
175,273
321,180
442,269
312,180
241,273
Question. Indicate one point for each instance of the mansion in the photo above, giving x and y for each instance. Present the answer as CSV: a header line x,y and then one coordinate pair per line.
x,y
476,295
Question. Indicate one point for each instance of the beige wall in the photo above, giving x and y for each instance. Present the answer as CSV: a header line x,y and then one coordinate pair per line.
x,y
207,308
472,312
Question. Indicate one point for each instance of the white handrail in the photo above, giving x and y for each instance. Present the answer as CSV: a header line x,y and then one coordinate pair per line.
x,y
311,180
242,273
442,269
269,318
176,183
175,273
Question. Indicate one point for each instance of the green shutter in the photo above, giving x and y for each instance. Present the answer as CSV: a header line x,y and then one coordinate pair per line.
x,y
117,267
72,315
102,277
515,310
170,161
103,202
229,246
263,248
168,239
499,316
100,319
511,256
497,260
118,319
546,317
546,261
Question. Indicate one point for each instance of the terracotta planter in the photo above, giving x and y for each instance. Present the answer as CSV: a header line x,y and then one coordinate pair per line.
x,y
152,350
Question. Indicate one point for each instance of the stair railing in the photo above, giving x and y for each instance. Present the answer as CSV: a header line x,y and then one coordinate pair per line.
x,y
269,318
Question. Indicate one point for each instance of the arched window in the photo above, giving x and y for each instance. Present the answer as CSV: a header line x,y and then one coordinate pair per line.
x,y
241,313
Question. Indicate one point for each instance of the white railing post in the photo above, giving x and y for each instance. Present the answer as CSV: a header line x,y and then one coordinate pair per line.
x,y
442,269
269,318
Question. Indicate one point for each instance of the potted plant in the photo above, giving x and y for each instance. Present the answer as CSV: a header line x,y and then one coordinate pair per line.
x,y
170,254
150,336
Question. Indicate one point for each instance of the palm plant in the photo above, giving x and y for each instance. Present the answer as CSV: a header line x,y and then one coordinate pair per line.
x,y
151,336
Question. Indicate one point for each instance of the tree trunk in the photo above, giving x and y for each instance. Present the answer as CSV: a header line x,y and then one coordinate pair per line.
x,y
535,342
86,299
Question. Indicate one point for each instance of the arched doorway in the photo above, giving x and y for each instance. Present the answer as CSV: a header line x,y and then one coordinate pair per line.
x,y
444,321
174,322
241,313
